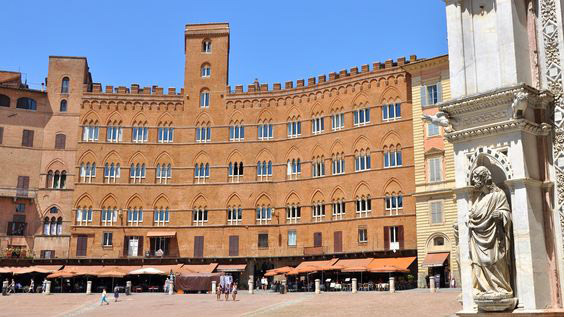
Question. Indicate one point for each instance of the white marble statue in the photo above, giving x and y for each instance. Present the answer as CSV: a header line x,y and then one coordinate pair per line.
x,y
489,225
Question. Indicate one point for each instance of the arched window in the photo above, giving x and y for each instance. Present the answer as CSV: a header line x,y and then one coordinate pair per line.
x,y
206,46
136,173
56,179
26,103
206,70
53,226
49,180
59,226
205,99
264,214
65,85
111,172
63,106
438,241
4,101
235,172
46,226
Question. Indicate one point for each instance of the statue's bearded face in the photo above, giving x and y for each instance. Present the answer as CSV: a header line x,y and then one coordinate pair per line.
x,y
478,180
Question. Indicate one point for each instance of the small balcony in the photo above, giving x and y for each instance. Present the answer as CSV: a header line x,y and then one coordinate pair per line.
x,y
315,250
14,192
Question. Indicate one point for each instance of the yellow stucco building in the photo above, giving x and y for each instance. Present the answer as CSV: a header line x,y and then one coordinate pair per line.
x,y
434,175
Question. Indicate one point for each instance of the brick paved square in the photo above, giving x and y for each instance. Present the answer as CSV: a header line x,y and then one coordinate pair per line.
x,y
405,303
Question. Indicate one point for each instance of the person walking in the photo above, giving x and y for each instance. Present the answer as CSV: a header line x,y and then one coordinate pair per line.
x,y
12,287
166,284
116,293
218,291
234,291
226,291
104,298
43,285
31,286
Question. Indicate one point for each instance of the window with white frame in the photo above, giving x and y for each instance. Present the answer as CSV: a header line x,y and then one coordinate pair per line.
x,y
199,217
393,156
391,111
203,134
436,212
338,121
318,166
111,172
318,211
362,235
435,169
265,131
201,172
236,132
431,94
361,116
293,213
394,238
134,216
264,170
264,215
317,124
362,160
107,239
294,128
292,238
235,171
139,133
137,173
393,203
338,164
87,172
363,206
432,130
294,168
108,216
338,209
114,132
161,216
206,71
90,132
204,99
234,215
163,173
165,133
206,46
84,216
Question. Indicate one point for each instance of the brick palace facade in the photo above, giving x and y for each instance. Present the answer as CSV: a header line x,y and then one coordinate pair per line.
x,y
310,169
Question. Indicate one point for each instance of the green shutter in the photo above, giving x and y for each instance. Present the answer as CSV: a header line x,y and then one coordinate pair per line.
x,y
423,95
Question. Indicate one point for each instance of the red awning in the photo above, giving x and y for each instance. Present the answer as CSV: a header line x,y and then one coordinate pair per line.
x,y
435,259
383,264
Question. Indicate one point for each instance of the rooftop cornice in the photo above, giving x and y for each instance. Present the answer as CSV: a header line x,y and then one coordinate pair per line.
x,y
334,83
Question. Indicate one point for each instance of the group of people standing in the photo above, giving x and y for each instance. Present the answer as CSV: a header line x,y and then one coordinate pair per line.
x,y
226,286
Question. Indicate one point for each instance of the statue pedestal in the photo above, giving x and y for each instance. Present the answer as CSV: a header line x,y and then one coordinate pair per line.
x,y
489,304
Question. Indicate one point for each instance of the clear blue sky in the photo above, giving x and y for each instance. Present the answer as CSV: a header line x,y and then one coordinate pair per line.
x,y
275,41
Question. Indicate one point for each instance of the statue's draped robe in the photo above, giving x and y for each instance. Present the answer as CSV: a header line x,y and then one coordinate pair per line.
x,y
490,244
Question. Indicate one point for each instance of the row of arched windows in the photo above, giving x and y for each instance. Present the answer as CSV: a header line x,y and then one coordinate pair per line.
x,y
202,171
56,179
53,226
